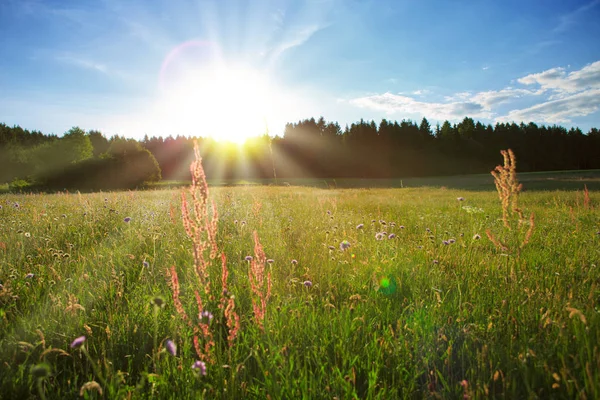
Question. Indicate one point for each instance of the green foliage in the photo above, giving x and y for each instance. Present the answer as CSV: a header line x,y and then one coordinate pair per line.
x,y
409,317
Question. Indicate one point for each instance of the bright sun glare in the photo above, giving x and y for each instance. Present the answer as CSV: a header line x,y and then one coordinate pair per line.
x,y
224,101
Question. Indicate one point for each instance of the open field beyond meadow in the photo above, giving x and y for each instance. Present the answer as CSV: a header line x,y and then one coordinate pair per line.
x,y
374,293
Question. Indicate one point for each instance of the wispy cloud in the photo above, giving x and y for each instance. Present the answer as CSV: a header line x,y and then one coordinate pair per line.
x,y
571,18
83,63
294,38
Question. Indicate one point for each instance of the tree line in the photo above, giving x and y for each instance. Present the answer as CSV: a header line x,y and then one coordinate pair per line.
x,y
310,148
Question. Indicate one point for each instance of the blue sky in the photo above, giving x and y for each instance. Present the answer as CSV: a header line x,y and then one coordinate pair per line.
x,y
140,66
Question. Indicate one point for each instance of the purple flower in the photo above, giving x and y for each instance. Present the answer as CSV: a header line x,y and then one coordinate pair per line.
x,y
294,262
78,342
270,261
344,245
476,236
446,242
0,206
379,236
171,347
382,222
451,241
401,226
435,261
29,275
146,264
206,315
328,212
460,198
392,236
308,284
360,226
17,205
200,366
331,248
243,222
248,258
127,219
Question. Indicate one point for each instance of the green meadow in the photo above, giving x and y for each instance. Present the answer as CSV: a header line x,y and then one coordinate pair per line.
x,y
396,293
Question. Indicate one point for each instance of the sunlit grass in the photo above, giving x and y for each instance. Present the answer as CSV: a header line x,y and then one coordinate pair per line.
x,y
394,318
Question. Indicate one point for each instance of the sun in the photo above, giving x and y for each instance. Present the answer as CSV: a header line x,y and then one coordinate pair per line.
x,y
226,102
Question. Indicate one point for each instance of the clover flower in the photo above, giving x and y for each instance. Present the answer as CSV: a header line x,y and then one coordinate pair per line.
x,y
78,342
206,315
200,366
171,347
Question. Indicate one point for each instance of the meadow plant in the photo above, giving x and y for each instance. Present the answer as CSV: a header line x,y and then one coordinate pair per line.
x,y
505,178
202,229
261,287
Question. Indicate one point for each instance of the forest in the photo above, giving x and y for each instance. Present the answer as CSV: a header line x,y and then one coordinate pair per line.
x,y
310,148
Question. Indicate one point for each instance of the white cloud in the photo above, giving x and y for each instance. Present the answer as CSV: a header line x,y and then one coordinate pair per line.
x,y
558,110
392,104
563,96
558,80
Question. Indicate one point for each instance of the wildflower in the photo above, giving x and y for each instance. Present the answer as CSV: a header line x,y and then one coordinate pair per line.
x,y
0,206
146,264
372,221
460,198
78,342
401,226
200,366
360,226
27,234
235,221
344,245
270,261
379,236
328,212
436,262
476,236
392,236
294,262
451,241
248,258
64,215
308,284
446,242
392,224
382,222
206,315
171,347
127,219
331,248
17,205
29,276
243,223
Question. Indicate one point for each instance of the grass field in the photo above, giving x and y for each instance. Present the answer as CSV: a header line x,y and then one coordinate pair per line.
x,y
435,310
